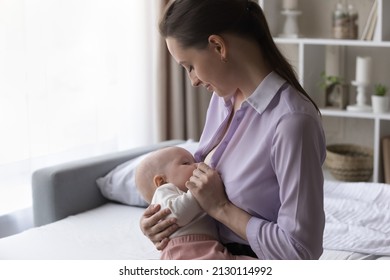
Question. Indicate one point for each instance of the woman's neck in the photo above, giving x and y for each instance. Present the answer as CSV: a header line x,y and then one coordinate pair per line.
x,y
250,66
238,99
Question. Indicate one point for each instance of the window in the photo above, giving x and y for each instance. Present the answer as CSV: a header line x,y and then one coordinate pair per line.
x,y
74,83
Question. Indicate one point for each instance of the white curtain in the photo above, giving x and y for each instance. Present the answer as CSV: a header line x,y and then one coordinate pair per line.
x,y
74,82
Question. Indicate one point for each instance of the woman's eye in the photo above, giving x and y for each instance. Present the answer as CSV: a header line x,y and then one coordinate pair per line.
x,y
190,69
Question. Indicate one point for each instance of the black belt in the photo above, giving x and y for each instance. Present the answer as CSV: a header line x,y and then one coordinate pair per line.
x,y
240,249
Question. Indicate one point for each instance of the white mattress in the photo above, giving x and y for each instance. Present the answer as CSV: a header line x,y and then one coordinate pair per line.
x,y
357,217
112,230
108,232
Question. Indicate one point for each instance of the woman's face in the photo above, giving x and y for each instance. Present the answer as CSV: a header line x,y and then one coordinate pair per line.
x,y
204,67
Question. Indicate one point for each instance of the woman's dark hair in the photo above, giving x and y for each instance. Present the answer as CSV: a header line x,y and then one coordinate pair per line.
x,y
191,22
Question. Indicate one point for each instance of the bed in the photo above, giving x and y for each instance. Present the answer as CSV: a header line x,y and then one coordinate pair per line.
x,y
76,219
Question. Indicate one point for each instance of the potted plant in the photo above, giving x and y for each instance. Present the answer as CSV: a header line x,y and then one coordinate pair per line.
x,y
380,100
336,91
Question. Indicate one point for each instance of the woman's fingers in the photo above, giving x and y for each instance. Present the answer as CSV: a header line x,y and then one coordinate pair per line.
x,y
148,217
160,245
156,227
204,168
202,175
152,216
151,210
162,230
207,187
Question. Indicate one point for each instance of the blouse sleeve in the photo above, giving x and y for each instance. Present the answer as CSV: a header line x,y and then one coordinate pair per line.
x,y
297,155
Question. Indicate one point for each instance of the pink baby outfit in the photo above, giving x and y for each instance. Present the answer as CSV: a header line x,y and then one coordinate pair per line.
x,y
198,247
197,237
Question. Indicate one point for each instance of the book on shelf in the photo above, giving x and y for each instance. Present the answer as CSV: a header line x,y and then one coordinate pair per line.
x,y
369,28
386,158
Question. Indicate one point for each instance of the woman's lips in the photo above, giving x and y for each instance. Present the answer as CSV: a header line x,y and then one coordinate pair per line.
x,y
209,88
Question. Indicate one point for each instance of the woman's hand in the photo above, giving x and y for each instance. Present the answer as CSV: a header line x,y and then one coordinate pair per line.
x,y
207,187
156,227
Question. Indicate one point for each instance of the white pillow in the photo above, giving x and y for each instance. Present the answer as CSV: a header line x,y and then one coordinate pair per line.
x,y
119,184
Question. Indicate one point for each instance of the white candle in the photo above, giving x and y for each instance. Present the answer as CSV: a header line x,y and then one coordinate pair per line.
x,y
290,4
363,69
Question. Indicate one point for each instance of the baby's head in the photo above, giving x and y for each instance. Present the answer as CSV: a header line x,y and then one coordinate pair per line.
x,y
168,165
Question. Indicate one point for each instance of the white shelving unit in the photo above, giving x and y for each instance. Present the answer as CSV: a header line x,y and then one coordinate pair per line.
x,y
308,54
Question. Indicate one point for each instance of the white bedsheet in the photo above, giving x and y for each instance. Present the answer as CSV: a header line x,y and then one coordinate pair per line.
x,y
357,217
107,232
112,230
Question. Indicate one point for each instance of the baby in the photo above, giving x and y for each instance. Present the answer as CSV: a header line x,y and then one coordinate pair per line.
x,y
160,179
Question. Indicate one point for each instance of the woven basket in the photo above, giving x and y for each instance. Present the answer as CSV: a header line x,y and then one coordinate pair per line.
x,y
348,162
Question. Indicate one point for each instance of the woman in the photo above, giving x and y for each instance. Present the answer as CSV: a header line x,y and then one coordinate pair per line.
x,y
263,144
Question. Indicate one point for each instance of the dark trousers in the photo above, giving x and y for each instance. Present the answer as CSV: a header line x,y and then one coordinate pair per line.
x,y
240,249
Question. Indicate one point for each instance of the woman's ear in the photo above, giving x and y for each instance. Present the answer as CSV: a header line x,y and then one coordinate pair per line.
x,y
219,45
159,180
